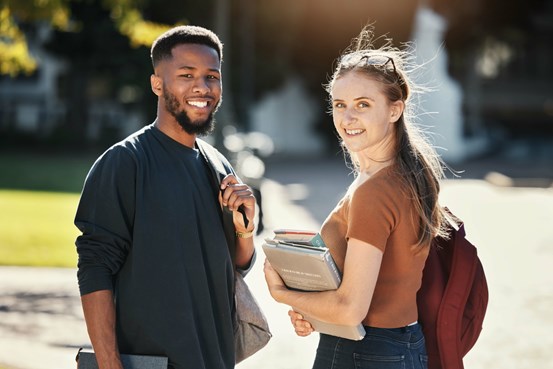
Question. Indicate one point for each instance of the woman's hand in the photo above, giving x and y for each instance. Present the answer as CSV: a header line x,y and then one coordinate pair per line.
x,y
274,282
236,195
302,327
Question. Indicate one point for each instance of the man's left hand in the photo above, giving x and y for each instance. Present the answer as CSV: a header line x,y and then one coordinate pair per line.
x,y
236,195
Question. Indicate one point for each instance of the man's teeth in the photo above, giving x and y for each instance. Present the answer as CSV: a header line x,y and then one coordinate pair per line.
x,y
354,131
198,104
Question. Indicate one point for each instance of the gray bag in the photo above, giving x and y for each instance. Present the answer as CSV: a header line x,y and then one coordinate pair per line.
x,y
251,330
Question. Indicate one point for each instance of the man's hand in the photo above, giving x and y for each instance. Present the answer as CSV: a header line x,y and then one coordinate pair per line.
x,y
239,199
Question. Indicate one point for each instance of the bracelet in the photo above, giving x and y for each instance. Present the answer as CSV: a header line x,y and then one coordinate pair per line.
x,y
244,234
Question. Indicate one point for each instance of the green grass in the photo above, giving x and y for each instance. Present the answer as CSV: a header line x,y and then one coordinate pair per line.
x,y
36,228
39,194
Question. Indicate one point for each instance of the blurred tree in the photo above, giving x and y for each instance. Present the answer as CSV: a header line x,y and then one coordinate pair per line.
x,y
14,54
103,41
17,14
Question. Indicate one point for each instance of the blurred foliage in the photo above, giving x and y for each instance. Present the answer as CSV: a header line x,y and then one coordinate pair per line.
x,y
17,14
130,22
27,11
14,54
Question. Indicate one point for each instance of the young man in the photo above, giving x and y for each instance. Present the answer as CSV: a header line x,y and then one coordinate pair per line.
x,y
154,271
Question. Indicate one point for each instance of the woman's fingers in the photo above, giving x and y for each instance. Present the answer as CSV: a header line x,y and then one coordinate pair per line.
x,y
301,326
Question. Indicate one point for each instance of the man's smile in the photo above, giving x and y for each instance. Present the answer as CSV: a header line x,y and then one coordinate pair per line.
x,y
198,104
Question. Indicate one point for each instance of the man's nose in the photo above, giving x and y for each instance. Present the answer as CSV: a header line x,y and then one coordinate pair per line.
x,y
200,86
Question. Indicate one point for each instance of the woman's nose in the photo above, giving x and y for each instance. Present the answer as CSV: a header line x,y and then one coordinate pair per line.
x,y
349,117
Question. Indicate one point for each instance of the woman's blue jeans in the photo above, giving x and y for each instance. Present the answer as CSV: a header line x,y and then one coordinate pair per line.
x,y
382,348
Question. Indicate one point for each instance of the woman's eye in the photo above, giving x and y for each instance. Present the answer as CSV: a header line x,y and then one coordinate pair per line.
x,y
338,105
363,105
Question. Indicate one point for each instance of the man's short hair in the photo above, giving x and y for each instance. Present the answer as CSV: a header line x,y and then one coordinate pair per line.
x,y
162,47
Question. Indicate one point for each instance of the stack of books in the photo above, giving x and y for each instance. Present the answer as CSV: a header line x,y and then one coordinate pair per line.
x,y
304,263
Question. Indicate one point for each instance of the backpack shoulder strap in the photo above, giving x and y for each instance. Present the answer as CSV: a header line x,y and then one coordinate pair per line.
x,y
219,168
219,165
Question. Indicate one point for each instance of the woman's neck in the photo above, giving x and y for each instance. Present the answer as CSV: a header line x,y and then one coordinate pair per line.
x,y
370,167
373,159
363,175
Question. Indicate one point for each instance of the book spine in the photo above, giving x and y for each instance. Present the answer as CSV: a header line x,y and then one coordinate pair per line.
x,y
335,273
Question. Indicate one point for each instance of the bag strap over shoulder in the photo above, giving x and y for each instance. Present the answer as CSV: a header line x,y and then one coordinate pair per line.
x,y
220,169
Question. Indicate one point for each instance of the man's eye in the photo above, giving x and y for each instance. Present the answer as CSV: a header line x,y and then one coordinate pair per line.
x,y
212,77
185,75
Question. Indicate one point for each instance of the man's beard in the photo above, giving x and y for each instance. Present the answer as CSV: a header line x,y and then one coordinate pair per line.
x,y
199,128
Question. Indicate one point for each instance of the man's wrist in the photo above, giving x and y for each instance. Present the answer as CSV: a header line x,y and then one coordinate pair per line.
x,y
244,234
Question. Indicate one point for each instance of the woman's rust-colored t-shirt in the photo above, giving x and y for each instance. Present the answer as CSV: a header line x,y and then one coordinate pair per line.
x,y
380,212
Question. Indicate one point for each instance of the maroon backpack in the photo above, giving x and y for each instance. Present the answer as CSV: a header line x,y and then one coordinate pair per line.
x,y
453,298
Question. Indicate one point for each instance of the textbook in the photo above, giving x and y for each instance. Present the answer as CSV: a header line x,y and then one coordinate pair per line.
x,y
87,360
309,268
303,267
299,236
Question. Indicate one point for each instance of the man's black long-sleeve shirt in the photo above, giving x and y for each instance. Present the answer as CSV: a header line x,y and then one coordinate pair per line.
x,y
152,233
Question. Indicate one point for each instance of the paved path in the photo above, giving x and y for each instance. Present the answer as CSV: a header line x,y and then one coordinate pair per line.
x,y
41,324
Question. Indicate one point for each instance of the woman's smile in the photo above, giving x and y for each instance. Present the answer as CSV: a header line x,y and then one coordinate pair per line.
x,y
354,132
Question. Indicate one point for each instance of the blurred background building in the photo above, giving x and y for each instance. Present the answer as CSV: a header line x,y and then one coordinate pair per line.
x,y
76,73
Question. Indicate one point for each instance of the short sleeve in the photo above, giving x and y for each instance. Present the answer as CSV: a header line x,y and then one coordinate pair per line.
x,y
372,214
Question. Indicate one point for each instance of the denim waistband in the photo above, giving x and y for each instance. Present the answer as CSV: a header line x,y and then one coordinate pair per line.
x,y
407,329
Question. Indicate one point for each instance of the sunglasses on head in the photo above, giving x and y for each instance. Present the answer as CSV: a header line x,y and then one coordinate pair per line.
x,y
379,61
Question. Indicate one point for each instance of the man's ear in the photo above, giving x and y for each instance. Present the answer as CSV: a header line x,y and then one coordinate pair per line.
x,y
157,84
396,109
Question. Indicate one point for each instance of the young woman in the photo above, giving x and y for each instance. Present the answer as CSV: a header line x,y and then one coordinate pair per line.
x,y
380,231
